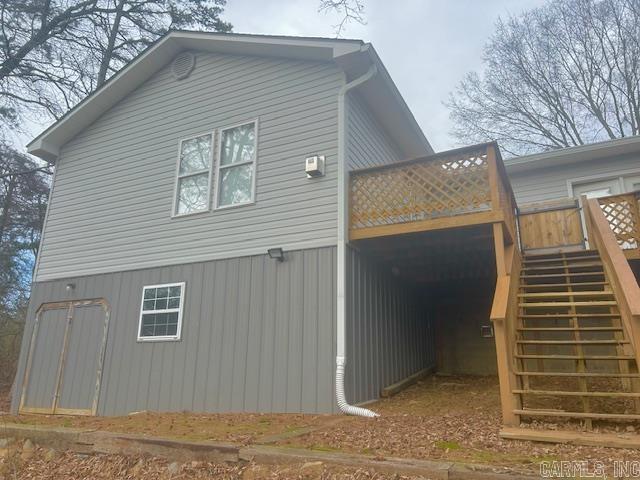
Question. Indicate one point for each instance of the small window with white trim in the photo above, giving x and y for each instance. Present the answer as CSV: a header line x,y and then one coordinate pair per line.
x,y
193,182
236,165
161,312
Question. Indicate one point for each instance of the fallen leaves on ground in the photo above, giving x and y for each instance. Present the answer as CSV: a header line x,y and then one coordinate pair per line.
x,y
70,466
441,418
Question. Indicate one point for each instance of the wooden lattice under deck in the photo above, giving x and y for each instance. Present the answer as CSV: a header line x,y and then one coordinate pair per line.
x,y
623,214
451,184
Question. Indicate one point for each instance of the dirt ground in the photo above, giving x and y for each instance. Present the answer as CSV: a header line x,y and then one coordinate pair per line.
x,y
5,400
440,418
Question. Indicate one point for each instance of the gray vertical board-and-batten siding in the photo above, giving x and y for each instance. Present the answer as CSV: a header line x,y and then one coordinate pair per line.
x,y
390,333
258,335
111,206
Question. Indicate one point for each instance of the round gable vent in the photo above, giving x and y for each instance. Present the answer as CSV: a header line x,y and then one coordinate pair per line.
x,y
183,65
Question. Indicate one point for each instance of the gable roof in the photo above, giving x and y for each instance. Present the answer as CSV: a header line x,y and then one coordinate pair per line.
x,y
575,155
353,56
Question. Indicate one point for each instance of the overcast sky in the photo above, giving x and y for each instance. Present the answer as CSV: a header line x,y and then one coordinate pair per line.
x,y
427,45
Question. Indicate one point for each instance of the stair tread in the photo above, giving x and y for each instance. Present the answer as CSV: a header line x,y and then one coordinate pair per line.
x,y
570,274
561,259
575,357
578,374
562,267
563,285
577,394
572,342
574,253
583,293
569,329
595,303
556,413
552,316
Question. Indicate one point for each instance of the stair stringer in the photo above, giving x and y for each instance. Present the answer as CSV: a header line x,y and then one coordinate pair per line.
x,y
504,314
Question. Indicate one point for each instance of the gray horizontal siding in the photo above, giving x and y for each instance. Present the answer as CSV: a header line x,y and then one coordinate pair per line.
x,y
390,333
550,183
113,194
257,336
368,144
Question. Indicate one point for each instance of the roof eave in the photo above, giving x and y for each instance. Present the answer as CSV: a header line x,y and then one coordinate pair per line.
x,y
47,144
413,141
571,155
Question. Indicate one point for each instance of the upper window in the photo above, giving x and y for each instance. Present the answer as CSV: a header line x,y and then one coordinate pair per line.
x,y
236,165
194,175
161,312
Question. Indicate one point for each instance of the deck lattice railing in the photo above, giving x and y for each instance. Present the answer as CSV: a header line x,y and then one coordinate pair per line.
x,y
623,214
420,189
449,184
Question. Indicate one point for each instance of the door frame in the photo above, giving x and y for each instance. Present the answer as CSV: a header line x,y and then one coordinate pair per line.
x,y
70,306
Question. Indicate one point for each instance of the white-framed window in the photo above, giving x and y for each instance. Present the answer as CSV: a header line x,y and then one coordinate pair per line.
x,y
161,312
193,177
236,165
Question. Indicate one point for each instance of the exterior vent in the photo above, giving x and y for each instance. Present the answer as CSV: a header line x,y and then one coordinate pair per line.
x,y
183,65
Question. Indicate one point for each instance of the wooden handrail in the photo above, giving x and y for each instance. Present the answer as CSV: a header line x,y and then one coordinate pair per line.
x,y
504,312
480,147
619,273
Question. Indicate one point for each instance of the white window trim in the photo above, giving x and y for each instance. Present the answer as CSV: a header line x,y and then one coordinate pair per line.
x,y
254,163
174,211
180,309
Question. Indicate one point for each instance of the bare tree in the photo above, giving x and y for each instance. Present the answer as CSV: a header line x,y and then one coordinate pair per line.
x,y
23,197
55,52
565,74
348,10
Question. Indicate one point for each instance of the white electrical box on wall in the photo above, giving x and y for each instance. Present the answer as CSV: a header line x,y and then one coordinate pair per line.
x,y
314,166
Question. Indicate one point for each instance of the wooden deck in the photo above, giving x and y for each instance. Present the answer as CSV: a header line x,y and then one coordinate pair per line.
x,y
456,188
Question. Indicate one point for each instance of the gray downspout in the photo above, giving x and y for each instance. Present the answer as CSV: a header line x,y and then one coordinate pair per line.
x,y
343,218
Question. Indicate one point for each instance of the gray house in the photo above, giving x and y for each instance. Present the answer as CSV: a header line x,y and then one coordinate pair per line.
x,y
154,288
257,223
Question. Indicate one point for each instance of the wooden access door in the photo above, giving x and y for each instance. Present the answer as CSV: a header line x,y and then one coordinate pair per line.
x,y
66,353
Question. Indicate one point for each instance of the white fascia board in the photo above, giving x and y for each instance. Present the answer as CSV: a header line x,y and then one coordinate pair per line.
x,y
571,155
48,143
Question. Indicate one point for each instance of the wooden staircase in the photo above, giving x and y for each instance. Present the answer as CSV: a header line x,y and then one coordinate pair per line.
x,y
573,357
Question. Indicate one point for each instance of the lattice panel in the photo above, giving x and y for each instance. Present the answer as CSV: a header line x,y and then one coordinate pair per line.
x,y
622,213
421,190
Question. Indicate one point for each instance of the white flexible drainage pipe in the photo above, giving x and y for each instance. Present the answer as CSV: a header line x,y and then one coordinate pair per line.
x,y
341,272
342,399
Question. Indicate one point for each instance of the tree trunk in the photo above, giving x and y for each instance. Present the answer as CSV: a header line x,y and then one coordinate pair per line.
x,y
106,57
6,208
